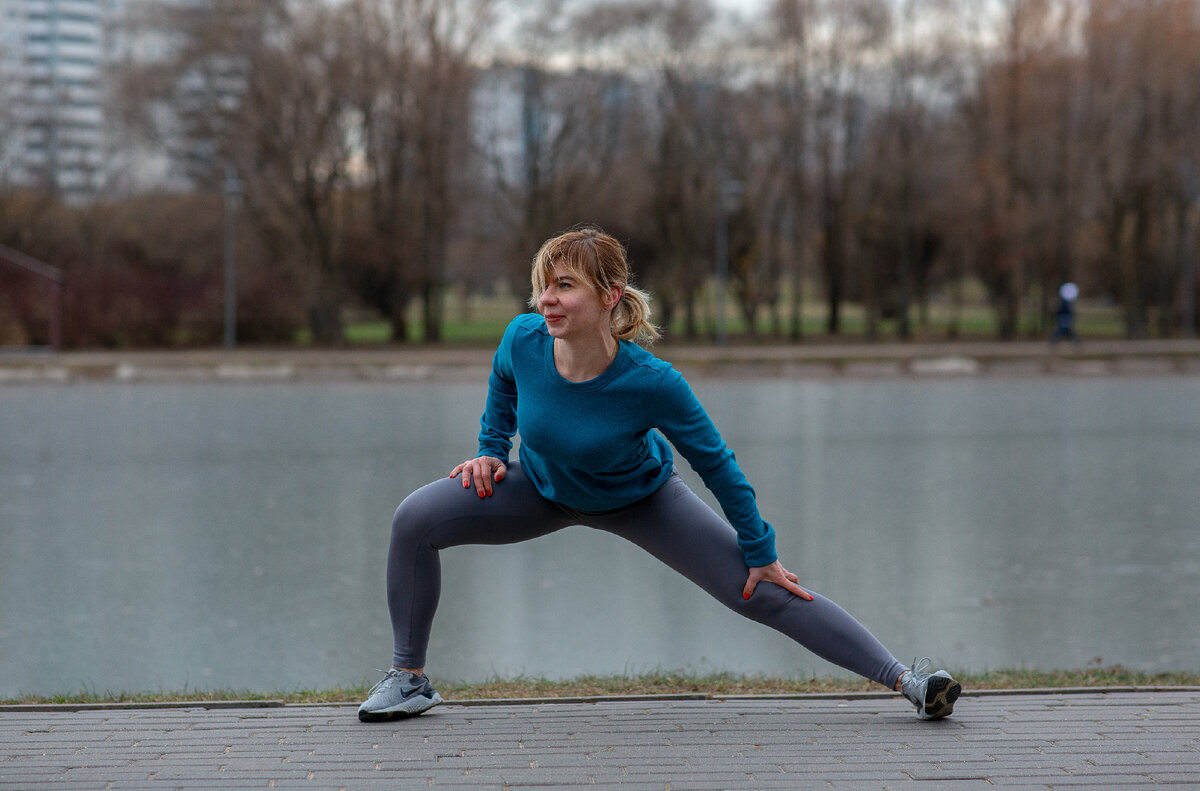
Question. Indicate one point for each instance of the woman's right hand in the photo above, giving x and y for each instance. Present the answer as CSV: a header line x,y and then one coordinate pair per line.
x,y
777,574
483,472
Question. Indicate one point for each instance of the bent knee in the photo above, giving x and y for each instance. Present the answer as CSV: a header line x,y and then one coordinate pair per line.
x,y
419,511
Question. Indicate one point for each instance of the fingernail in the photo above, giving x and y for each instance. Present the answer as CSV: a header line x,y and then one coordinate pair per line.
x,y
481,495
746,596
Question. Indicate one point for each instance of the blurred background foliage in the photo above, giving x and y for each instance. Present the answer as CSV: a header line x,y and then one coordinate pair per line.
x,y
876,169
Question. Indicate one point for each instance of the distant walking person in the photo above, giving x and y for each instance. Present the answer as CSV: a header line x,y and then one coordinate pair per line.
x,y
1064,317
595,412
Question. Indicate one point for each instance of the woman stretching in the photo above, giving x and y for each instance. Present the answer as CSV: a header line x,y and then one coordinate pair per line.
x,y
595,412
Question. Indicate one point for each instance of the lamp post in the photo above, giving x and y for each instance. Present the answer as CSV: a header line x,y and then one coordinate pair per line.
x,y
1189,226
231,194
1188,276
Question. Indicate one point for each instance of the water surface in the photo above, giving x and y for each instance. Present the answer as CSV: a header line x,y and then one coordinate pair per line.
x,y
170,536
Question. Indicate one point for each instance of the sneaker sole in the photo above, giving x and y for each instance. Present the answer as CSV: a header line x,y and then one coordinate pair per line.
x,y
939,697
409,708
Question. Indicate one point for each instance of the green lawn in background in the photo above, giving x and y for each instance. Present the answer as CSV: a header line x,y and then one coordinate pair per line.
x,y
480,320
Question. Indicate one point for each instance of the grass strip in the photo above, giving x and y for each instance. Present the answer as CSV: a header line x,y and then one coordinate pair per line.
x,y
659,683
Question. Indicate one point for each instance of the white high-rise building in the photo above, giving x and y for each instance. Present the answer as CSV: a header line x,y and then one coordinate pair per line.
x,y
61,62
52,72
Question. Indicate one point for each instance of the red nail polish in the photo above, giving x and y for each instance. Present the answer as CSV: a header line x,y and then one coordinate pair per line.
x,y
746,596
481,495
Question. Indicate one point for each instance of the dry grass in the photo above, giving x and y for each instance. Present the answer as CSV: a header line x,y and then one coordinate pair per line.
x,y
662,683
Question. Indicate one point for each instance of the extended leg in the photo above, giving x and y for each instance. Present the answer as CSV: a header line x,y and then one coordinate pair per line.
x,y
680,529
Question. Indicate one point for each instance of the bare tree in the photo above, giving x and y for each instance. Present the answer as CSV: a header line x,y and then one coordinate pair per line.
x,y
906,163
258,90
668,43
382,227
757,204
447,33
996,116
1053,160
410,100
1141,71
639,138
306,101
290,142
565,151
851,30
884,144
792,22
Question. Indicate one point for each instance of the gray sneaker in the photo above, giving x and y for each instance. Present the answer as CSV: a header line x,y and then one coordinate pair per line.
x,y
399,694
932,693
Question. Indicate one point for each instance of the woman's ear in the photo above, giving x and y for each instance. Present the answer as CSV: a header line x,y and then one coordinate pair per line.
x,y
614,296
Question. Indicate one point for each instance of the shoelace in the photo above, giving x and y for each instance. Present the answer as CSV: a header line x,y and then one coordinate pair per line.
x,y
919,668
390,674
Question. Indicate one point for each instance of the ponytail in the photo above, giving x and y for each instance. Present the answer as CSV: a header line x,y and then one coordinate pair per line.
x,y
631,317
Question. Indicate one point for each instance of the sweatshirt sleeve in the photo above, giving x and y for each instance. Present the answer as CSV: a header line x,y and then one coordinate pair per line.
x,y
688,427
499,421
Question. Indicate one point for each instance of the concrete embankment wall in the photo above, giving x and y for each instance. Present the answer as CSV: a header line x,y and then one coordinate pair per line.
x,y
1099,358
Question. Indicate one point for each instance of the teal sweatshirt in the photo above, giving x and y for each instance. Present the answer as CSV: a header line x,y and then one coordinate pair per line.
x,y
596,445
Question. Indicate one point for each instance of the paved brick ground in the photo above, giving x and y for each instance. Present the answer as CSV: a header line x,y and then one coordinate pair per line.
x,y
1046,740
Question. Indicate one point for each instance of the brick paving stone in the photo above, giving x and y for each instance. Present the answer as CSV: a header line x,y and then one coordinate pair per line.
x,y
1025,741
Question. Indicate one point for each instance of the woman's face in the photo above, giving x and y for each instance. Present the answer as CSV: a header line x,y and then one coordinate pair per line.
x,y
572,308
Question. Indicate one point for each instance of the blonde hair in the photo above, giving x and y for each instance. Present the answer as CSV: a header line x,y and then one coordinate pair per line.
x,y
601,262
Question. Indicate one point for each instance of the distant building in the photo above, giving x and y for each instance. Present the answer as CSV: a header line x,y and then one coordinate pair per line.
x,y
59,63
52,56
61,128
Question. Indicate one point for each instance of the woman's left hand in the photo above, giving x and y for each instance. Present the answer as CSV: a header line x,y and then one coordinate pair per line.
x,y
777,574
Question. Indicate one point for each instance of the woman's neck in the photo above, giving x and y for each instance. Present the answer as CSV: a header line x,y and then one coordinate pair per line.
x,y
579,361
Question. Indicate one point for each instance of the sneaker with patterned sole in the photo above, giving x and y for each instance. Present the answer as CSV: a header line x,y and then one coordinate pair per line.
x,y
399,694
932,693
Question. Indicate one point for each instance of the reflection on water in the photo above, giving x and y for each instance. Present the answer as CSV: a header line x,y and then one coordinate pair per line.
x,y
163,536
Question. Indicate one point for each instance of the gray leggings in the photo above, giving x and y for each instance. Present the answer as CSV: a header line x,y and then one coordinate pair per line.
x,y
673,524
